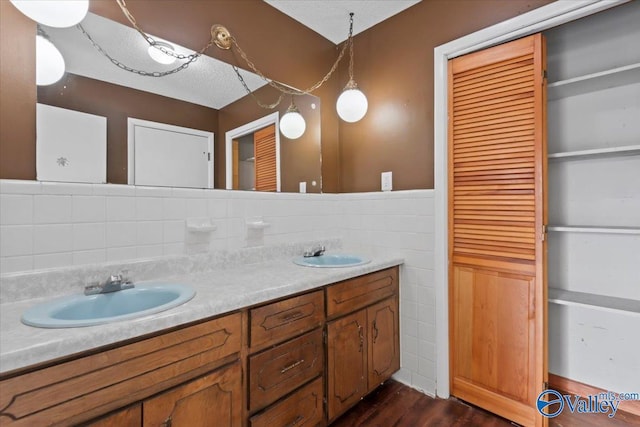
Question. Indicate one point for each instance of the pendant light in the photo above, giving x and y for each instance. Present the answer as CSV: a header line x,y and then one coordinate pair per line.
x,y
54,13
292,124
49,61
352,104
158,55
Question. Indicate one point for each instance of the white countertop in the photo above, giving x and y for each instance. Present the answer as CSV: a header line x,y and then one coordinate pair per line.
x,y
217,292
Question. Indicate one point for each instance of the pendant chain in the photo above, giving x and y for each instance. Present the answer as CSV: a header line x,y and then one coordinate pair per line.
x,y
283,89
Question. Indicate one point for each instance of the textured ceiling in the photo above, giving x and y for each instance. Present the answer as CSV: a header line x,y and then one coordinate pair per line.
x,y
330,18
206,81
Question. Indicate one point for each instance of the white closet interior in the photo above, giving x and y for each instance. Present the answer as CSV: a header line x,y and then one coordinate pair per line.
x,y
593,67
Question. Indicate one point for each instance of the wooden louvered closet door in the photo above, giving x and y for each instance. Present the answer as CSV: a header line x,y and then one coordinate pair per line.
x,y
264,142
497,176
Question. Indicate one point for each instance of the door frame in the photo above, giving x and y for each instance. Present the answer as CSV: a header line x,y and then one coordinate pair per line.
x,y
543,18
251,127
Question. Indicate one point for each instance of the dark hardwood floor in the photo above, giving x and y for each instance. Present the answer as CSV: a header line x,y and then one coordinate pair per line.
x,y
395,405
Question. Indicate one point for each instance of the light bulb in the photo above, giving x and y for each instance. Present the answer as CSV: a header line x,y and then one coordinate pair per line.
x,y
49,62
352,105
292,124
158,55
54,13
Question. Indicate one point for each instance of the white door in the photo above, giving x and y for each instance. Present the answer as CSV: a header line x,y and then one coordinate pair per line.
x,y
169,156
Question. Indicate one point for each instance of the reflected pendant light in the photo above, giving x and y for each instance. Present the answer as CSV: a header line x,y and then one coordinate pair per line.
x,y
158,55
49,62
54,13
292,124
352,104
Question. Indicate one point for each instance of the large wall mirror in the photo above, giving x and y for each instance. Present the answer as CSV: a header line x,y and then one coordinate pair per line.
x,y
206,96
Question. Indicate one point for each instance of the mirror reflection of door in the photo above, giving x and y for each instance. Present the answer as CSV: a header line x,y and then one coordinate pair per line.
x,y
254,160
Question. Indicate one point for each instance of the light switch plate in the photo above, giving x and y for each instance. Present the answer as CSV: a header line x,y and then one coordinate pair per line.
x,y
303,187
387,181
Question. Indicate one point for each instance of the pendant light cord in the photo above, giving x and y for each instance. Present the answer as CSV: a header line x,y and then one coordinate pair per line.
x,y
350,40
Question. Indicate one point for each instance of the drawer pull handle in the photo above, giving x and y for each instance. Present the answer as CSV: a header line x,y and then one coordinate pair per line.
x,y
361,335
296,421
290,367
293,315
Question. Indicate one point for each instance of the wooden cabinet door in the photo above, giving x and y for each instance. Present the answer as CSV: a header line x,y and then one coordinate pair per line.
x,y
383,341
346,362
214,400
127,417
497,209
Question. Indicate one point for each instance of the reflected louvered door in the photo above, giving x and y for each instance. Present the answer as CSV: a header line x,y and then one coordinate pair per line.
x,y
497,174
264,141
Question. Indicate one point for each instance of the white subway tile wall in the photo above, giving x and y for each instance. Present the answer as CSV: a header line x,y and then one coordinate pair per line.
x,y
402,222
47,225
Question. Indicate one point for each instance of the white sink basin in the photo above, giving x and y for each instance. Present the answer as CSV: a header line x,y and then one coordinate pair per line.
x,y
86,310
332,260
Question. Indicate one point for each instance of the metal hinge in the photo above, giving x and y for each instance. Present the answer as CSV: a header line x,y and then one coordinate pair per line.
x,y
545,385
324,336
209,157
544,232
544,74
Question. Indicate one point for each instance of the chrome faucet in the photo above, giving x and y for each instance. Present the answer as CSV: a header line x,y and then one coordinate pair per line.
x,y
315,251
115,283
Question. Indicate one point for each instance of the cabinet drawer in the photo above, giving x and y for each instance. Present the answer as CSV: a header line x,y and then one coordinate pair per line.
x,y
90,386
302,408
280,370
283,319
352,294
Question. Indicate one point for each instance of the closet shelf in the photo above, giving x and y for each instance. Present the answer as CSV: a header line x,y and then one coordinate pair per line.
x,y
627,150
600,302
619,76
594,229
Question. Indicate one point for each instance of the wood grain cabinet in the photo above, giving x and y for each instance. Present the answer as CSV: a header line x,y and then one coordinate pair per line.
x,y
302,408
346,362
280,370
286,362
383,344
277,364
87,387
127,417
212,400
363,347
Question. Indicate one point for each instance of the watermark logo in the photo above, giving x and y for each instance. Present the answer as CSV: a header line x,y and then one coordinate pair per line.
x,y
551,403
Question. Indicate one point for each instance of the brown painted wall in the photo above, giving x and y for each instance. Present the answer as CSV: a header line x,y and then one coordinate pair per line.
x,y
394,68
117,103
300,159
17,94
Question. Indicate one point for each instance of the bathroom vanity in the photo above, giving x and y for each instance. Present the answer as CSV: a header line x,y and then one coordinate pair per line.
x,y
302,358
